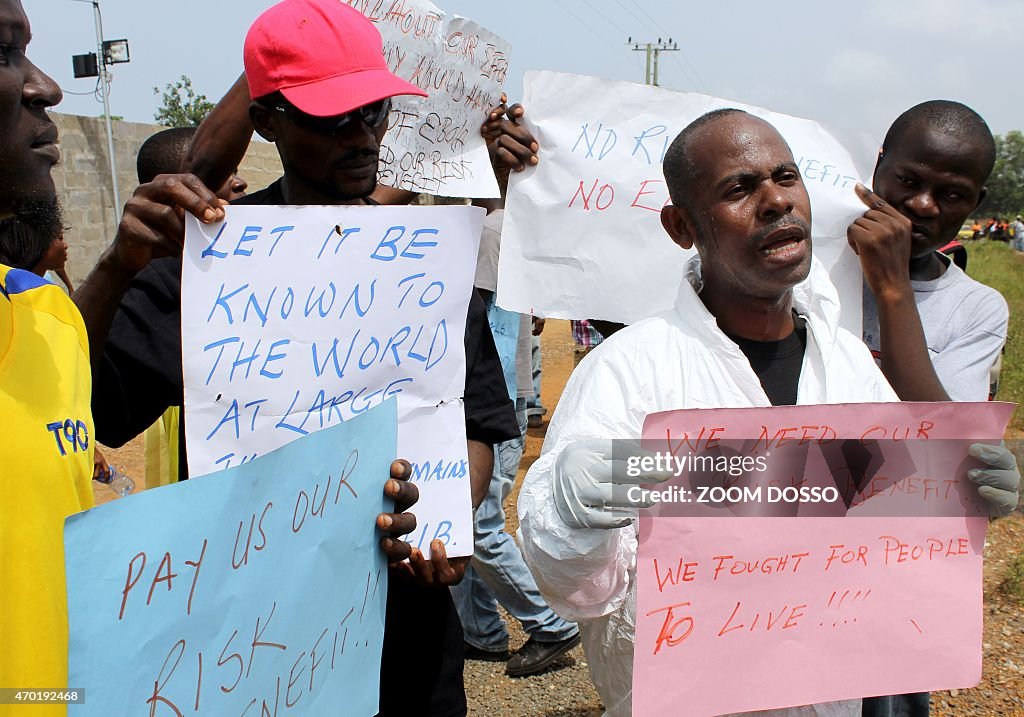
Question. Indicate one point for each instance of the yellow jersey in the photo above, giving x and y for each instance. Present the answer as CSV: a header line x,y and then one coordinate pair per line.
x,y
46,456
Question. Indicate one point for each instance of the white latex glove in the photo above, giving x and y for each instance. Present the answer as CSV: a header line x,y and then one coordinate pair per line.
x,y
999,484
590,487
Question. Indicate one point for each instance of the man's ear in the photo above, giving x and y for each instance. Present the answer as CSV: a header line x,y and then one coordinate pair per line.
x,y
678,225
261,118
981,196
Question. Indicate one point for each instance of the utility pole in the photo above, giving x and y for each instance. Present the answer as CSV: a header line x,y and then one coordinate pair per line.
x,y
104,87
108,52
653,50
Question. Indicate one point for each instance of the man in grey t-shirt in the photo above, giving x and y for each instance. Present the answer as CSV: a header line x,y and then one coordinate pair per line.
x,y
964,325
935,331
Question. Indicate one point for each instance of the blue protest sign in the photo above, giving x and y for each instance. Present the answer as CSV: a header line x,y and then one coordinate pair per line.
x,y
244,592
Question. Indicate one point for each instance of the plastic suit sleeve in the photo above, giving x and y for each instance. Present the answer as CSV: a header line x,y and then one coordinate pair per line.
x,y
582,573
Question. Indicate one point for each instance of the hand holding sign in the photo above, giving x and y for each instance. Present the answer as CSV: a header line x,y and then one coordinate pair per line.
x,y
433,143
999,484
591,487
153,224
510,144
436,571
399,523
404,559
882,240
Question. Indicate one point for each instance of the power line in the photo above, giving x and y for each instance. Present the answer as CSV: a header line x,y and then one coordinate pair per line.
x,y
635,16
617,27
697,74
697,86
654,23
689,78
584,23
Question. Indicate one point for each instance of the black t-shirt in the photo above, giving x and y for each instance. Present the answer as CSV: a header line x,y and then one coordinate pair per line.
x,y
140,376
777,363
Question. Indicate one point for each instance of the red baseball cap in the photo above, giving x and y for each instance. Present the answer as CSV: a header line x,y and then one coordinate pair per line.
x,y
324,56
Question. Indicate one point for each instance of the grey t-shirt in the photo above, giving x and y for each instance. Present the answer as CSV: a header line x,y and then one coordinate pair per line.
x,y
964,324
487,278
487,257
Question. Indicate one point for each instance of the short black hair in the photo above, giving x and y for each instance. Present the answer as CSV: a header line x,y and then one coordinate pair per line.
x,y
27,234
163,152
678,167
947,117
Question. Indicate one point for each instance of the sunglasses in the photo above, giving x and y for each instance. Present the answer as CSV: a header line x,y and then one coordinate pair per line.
x,y
372,115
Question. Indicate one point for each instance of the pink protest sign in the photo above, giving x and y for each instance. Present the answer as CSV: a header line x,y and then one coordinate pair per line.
x,y
871,596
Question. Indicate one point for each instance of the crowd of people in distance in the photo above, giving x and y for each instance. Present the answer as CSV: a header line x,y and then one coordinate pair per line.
x,y
756,312
997,229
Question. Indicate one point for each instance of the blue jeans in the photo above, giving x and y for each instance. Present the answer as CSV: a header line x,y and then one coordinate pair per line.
x,y
533,405
498,573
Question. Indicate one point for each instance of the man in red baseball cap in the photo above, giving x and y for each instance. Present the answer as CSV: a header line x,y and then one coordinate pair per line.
x,y
320,90
324,56
316,69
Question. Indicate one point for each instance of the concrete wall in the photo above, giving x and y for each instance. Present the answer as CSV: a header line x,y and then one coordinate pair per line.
x,y
83,180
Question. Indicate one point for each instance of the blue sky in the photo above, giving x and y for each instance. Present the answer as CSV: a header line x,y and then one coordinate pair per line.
x,y
854,65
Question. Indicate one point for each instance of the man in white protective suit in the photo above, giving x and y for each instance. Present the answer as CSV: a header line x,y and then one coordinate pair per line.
x,y
755,324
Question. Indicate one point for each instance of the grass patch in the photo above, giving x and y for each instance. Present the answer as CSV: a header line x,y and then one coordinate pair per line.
x,y
1012,586
996,264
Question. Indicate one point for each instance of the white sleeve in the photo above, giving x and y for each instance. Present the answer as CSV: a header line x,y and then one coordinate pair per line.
x,y
582,573
871,384
878,388
963,365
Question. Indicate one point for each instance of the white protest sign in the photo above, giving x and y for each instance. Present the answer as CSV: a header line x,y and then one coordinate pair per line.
x,y
296,318
433,144
583,237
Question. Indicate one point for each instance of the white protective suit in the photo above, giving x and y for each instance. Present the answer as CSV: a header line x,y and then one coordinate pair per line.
x,y
680,359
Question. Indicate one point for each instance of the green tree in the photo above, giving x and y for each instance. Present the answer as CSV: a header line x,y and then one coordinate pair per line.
x,y
1006,184
181,106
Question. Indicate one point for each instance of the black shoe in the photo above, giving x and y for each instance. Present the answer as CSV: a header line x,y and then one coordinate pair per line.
x,y
475,653
534,656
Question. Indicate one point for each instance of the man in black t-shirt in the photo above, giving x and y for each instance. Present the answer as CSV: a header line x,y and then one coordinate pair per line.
x,y
140,370
324,103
